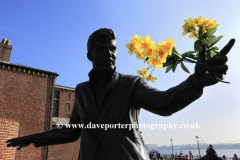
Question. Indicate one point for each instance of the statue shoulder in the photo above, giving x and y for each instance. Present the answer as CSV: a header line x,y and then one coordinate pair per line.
x,y
129,77
79,85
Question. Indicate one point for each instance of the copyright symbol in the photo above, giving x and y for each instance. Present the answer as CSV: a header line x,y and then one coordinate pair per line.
x,y
59,125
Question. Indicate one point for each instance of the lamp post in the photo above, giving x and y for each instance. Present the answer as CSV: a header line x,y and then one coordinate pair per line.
x,y
190,153
198,145
172,147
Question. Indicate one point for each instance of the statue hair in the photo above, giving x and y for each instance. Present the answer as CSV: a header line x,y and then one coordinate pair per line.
x,y
101,34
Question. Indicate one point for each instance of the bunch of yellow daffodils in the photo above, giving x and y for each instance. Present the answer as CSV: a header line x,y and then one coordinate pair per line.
x,y
165,54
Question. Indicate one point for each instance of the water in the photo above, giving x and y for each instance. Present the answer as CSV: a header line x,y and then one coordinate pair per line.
x,y
228,152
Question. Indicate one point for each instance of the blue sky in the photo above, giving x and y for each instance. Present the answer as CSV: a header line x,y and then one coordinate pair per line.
x,y
52,35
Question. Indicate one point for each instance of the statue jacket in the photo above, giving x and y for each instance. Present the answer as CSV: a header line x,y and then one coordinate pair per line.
x,y
117,101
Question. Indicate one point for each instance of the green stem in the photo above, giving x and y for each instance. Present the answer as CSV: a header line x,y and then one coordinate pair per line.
x,y
175,52
149,67
220,79
151,72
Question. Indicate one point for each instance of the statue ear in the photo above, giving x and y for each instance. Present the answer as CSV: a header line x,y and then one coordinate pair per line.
x,y
89,55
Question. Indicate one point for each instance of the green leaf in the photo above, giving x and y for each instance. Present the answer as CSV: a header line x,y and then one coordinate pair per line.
x,y
170,60
188,53
211,37
214,41
211,31
218,53
205,42
213,53
200,31
214,48
175,66
198,46
169,68
184,67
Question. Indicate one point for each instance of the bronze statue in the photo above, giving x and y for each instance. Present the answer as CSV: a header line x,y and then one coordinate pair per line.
x,y
110,97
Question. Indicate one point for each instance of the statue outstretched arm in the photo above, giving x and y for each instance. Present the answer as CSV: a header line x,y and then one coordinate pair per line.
x,y
165,103
52,137
59,135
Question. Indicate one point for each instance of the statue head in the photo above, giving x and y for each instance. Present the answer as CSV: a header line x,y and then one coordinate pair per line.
x,y
102,49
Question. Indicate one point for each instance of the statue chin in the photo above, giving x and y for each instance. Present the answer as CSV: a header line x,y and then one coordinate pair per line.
x,y
105,69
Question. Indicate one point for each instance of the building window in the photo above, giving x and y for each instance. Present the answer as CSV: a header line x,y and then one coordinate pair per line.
x,y
56,94
68,107
68,96
55,108
56,103
67,115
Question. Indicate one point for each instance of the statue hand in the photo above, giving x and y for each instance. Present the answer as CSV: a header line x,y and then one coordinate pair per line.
x,y
20,141
216,64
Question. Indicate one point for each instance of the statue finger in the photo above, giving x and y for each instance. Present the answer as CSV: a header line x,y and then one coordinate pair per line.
x,y
11,140
218,68
228,47
12,143
9,145
19,148
218,60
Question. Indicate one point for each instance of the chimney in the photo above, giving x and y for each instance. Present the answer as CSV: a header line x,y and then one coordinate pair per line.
x,y
5,50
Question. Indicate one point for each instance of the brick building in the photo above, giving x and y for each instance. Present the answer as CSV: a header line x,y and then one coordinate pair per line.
x,y
29,96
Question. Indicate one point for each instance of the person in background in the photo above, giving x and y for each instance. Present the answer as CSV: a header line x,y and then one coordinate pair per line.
x,y
152,158
167,158
176,156
157,155
187,158
211,155
210,146
235,157
150,154
225,157
181,155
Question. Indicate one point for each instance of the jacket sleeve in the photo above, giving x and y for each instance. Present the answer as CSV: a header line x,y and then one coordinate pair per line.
x,y
165,103
60,136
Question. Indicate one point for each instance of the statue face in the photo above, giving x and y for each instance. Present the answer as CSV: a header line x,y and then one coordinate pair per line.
x,y
104,54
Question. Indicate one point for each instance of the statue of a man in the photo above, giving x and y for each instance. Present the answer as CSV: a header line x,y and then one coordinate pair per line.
x,y
110,97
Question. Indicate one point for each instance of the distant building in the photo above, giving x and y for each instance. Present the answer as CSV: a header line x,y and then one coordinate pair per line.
x,y
151,145
30,97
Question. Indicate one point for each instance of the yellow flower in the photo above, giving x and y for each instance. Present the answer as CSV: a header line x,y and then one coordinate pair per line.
x,y
137,38
151,77
148,45
149,50
168,45
161,52
143,73
198,20
194,35
139,53
155,62
131,46
188,26
213,24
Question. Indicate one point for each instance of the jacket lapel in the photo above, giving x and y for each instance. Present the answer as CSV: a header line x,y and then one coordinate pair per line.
x,y
106,87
